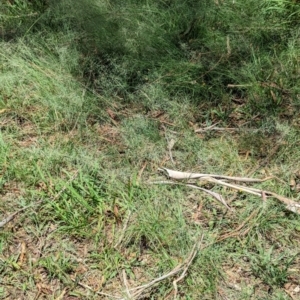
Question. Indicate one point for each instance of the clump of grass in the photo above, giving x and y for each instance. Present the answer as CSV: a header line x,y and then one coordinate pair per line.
x,y
190,51
93,93
273,271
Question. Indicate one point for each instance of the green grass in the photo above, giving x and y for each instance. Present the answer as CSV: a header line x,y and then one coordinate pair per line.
x,y
91,96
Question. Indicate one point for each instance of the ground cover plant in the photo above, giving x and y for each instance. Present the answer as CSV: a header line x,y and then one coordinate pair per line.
x,y
101,101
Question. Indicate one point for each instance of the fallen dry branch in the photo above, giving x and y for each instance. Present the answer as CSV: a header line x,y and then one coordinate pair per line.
x,y
85,286
187,175
238,85
225,129
217,196
188,263
126,284
139,291
221,129
291,205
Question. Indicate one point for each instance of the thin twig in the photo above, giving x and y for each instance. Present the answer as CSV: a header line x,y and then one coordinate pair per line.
x,y
96,292
12,216
138,291
124,229
239,128
291,205
252,191
214,66
235,232
156,280
199,130
141,171
213,194
209,127
61,296
170,145
266,160
228,46
20,16
238,85
187,175
188,264
126,284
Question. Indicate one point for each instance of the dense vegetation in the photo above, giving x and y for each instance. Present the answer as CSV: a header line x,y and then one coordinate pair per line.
x,y
96,95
